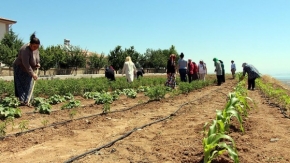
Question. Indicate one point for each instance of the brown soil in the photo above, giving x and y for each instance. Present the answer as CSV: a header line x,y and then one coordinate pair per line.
x,y
175,139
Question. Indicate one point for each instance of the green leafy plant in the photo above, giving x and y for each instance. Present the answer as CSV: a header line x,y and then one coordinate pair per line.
x,y
41,105
215,144
71,104
156,93
104,98
10,102
9,112
72,113
23,125
3,127
44,122
55,99
131,93
68,96
106,108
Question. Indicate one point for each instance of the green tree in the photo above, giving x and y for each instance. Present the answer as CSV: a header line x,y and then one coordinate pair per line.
x,y
97,61
76,57
9,47
46,58
59,57
135,56
116,58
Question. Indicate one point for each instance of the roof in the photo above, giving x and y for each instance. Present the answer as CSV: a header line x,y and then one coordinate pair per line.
x,y
7,21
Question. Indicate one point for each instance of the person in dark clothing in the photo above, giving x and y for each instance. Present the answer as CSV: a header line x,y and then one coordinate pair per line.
x,y
253,74
171,72
110,73
218,70
140,72
223,71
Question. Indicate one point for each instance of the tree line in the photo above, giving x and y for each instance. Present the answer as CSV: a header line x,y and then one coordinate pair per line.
x,y
69,56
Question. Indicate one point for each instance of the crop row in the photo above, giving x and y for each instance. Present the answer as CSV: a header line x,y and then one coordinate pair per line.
x,y
9,105
216,140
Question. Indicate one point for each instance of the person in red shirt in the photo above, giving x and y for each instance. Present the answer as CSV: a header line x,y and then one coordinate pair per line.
x,y
190,69
195,71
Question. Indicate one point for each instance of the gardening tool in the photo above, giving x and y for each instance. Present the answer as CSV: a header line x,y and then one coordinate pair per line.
x,y
34,81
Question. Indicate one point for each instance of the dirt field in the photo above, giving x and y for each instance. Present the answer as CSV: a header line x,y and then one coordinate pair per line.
x,y
166,131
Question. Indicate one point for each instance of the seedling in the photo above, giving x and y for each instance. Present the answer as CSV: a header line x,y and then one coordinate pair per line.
x,y
44,122
23,125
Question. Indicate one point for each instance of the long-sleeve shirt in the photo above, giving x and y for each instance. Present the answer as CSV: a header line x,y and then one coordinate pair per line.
x,y
252,71
129,68
218,67
27,59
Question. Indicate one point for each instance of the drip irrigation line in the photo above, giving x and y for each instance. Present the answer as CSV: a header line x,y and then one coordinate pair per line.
x,y
67,121
282,110
134,130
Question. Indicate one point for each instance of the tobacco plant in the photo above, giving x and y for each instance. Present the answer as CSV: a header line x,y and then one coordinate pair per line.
x,y
71,104
156,93
104,98
10,102
55,99
41,105
9,112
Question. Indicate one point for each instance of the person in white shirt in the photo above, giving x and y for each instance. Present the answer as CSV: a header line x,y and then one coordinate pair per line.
x,y
202,70
233,68
129,69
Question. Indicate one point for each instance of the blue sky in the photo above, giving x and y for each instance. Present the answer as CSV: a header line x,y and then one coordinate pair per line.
x,y
252,31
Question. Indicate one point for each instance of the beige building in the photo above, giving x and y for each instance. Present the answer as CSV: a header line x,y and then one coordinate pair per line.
x,y
5,26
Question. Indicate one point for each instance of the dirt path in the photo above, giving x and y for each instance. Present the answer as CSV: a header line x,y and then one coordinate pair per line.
x,y
176,139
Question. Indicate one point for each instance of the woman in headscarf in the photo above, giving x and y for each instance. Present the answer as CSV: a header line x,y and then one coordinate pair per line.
x,y
129,69
223,71
195,71
24,65
202,71
171,71
110,73
253,74
218,70
190,69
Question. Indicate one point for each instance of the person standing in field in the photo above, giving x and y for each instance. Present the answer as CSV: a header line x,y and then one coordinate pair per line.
x,y
223,71
190,69
202,70
129,69
218,70
253,74
110,73
195,71
24,65
140,72
233,69
171,72
182,67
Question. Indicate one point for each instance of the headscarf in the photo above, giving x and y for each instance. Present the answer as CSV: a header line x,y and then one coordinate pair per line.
x,y
215,59
172,58
244,64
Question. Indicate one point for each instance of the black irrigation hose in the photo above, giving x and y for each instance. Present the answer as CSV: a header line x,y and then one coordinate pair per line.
x,y
67,121
130,132
282,110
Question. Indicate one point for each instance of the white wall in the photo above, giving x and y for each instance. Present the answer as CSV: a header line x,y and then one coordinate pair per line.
x,y
2,30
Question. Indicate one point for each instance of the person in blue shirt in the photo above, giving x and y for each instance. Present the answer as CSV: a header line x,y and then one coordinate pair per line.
x,y
182,67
